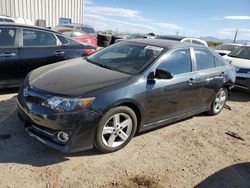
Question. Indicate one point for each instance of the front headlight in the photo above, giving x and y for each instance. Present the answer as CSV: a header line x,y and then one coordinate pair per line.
x,y
61,104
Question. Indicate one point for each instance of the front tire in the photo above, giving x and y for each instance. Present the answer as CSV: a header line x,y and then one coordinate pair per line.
x,y
116,128
219,101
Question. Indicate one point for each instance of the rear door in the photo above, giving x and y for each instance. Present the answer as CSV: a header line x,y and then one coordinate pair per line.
x,y
72,48
38,48
8,55
209,75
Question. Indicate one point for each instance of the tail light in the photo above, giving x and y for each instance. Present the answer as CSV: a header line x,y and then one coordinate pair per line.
x,y
89,51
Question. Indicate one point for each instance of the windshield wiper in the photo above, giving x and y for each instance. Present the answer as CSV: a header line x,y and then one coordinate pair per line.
x,y
104,66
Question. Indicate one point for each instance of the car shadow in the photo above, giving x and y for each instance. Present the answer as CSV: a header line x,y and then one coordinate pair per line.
x,y
16,146
9,90
239,96
237,175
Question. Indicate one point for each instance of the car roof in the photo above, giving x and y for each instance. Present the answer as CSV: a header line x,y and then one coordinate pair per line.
x,y
8,24
169,44
174,37
177,37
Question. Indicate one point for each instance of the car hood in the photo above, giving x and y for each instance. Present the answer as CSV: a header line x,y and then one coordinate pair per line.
x,y
74,77
238,62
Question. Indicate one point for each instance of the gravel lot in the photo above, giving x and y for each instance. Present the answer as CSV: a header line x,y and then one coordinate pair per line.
x,y
193,152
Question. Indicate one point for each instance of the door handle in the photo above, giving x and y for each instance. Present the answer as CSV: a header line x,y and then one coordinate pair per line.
x,y
58,53
190,81
7,54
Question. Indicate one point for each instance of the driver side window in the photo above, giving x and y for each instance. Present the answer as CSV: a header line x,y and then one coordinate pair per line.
x,y
177,62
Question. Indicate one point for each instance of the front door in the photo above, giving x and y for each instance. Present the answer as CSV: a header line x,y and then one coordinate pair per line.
x,y
166,99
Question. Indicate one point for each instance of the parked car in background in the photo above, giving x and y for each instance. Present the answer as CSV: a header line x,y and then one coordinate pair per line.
x,y
240,59
226,48
79,36
7,19
134,36
183,39
82,27
24,48
131,86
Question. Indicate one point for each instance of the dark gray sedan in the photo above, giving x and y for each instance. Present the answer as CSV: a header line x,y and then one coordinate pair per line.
x,y
131,86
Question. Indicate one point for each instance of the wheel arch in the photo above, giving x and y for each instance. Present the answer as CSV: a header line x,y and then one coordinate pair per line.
x,y
134,105
228,86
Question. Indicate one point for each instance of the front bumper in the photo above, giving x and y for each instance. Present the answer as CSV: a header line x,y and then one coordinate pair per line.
x,y
43,124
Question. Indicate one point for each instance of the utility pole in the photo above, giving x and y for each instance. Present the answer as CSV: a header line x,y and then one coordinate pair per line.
x,y
177,32
235,36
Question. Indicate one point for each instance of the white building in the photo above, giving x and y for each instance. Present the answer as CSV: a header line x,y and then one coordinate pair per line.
x,y
52,11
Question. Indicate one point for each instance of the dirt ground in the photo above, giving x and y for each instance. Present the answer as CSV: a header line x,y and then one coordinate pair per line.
x,y
194,152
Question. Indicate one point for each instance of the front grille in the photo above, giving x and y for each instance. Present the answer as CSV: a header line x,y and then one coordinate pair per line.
x,y
34,99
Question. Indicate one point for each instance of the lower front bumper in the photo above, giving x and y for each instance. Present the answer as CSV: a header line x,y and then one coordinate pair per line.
x,y
82,124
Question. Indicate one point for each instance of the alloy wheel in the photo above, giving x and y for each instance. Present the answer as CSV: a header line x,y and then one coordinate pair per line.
x,y
117,130
220,101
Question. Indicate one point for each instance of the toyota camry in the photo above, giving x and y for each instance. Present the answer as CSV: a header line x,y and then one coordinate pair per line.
x,y
103,100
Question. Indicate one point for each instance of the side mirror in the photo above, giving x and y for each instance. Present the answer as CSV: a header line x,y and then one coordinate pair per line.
x,y
159,74
163,74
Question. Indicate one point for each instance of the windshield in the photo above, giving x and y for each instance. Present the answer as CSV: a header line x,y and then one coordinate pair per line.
x,y
241,52
226,47
126,57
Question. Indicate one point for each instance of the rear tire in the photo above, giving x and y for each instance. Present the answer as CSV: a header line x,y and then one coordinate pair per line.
x,y
115,130
219,102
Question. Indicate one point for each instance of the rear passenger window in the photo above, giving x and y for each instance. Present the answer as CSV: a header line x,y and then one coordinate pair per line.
x,y
63,39
7,37
204,59
177,62
187,40
38,38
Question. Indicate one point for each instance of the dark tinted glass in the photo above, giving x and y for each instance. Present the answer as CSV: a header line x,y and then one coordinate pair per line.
x,y
87,29
177,62
7,36
188,40
63,39
38,38
197,42
204,59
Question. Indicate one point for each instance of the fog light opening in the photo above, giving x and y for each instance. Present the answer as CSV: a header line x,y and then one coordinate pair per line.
x,y
63,136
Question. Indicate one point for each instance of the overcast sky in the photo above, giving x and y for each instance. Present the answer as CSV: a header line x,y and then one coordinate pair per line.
x,y
218,18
